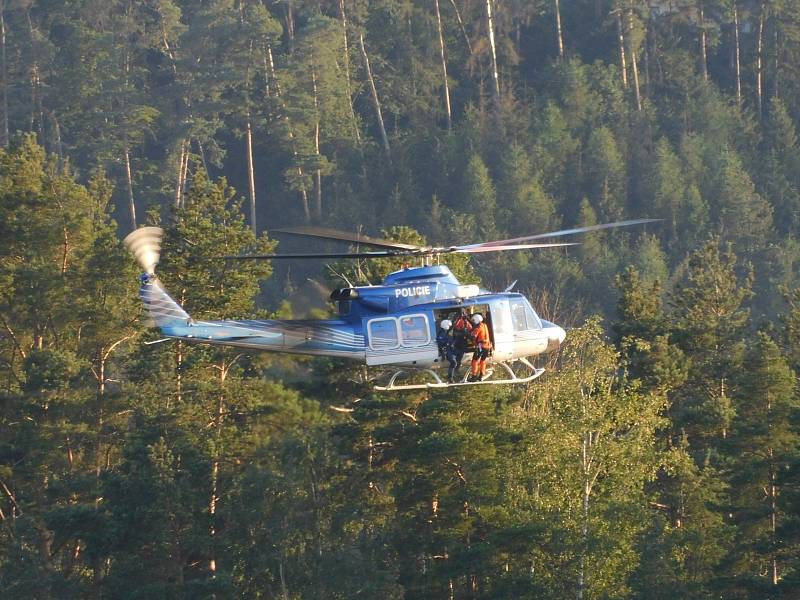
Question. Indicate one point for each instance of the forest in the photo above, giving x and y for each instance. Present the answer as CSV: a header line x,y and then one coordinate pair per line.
x,y
657,458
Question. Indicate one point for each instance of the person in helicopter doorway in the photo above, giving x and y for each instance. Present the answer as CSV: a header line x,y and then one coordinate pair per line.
x,y
462,332
483,348
444,340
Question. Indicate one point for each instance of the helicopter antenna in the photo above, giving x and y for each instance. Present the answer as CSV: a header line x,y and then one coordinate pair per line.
x,y
510,287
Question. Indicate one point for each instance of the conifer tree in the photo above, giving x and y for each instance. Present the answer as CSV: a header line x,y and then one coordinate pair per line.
x,y
708,323
762,445
605,174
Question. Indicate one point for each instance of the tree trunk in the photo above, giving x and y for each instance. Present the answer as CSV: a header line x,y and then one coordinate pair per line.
x,y
59,144
634,66
215,465
461,25
251,176
760,59
776,61
178,371
185,172
36,103
346,60
179,185
648,43
303,193
444,67
622,62
4,71
585,521
129,181
558,32
703,43
284,586
495,74
736,46
318,174
375,102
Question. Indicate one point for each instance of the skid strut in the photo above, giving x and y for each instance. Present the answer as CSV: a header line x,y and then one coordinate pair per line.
x,y
437,382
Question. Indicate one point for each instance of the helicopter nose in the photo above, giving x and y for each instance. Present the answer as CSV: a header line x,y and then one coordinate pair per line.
x,y
555,337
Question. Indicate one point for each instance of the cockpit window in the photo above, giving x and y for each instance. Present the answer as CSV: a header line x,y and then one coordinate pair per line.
x,y
518,315
534,322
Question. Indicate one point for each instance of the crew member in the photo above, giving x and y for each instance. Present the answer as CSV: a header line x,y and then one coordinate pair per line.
x,y
462,332
483,348
444,340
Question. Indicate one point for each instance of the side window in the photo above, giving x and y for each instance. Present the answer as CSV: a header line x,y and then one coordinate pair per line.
x,y
518,315
414,330
383,334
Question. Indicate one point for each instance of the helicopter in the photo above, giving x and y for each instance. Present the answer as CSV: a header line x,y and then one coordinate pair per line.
x,y
389,325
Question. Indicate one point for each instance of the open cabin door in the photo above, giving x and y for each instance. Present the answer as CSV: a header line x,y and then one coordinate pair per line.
x,y
407,339
503,333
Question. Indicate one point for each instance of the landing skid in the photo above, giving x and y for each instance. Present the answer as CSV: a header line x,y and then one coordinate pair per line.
x,y
438,384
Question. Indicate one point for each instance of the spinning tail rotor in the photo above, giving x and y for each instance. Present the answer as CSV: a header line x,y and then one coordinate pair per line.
x,y
145,245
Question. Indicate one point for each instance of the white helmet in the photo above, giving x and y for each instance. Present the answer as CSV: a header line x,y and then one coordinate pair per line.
x,y
446,324
477,318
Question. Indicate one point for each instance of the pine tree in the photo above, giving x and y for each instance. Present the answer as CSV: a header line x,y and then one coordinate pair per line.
x,y
743,216
480,199
708,325
762,445
67,312
605,174
523,205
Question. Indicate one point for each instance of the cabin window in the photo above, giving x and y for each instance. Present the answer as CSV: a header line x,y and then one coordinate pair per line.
x,y
383,334
414,329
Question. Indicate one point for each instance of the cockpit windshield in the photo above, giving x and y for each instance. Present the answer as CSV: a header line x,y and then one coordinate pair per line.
x,y
523,316
534,322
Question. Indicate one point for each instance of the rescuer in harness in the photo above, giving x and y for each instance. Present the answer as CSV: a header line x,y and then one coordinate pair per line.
x,y
445,342
462,331
483,348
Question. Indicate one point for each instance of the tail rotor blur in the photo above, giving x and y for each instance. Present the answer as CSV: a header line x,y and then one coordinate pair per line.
x,y
145,245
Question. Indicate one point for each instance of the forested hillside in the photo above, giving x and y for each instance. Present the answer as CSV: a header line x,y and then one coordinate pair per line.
x,y
658,457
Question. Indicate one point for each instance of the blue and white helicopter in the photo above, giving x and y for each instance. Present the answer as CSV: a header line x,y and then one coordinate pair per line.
x,y
391,325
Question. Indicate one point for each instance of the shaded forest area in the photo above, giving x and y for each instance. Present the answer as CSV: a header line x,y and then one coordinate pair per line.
x,y
659,456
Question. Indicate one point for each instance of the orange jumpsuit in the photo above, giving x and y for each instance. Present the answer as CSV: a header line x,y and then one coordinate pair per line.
x,y
483,347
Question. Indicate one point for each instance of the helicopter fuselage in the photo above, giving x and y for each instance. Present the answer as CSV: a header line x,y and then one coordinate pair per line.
x,y
391,324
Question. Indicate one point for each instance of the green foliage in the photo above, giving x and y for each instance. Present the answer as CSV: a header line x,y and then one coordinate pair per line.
x,y
709,321
172,470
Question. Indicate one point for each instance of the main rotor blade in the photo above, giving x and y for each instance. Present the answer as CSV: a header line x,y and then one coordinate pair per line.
x,y
574,230
400,253
335,234
379,254
486,248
